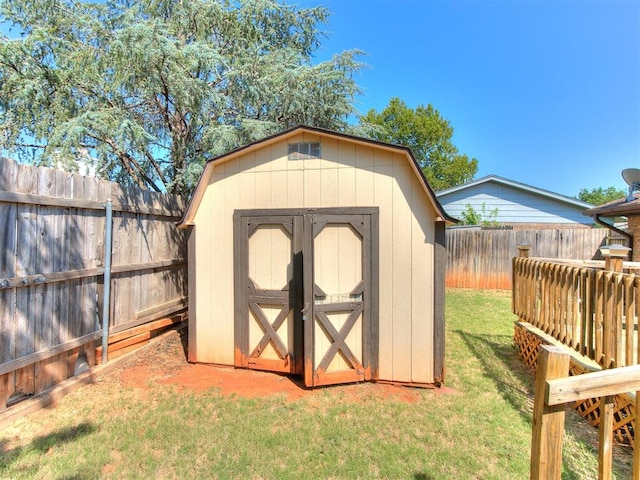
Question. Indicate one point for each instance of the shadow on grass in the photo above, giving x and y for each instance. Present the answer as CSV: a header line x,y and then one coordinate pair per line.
x,y
42,444
515,383
501,365
422,476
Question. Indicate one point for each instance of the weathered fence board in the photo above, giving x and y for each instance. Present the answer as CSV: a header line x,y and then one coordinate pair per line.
x,y
52,234
482,258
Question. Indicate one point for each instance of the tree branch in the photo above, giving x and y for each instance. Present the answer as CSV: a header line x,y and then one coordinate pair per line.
x,y
128,162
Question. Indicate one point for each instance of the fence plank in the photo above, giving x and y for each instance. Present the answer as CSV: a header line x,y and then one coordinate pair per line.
x,y
165,209
26,250
41,278
482,258
47,353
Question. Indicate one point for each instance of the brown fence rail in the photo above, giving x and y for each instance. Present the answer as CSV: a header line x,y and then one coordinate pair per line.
x,y
52,266
482,258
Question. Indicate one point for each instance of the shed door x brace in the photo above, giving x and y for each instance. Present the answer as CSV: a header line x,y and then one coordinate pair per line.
x,y
305,295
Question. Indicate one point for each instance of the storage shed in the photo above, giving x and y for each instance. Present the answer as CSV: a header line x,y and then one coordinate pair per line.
x,y
318,254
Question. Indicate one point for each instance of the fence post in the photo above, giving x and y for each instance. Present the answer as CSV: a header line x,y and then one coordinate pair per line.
x,y
106,305
548,421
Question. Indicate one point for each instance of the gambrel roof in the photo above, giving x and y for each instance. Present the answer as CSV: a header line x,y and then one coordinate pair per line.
x,y
196,198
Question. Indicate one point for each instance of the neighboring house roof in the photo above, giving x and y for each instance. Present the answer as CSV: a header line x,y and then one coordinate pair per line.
x,y
516,202
406,152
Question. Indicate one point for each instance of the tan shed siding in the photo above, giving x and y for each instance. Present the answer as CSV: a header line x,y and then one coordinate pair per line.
x,y
233,191
383,189
215,249
359,176
422,287
347,175
401,233
204,347
364,194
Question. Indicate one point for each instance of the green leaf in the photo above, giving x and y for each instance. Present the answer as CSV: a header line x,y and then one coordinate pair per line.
x,y
428,135
150,89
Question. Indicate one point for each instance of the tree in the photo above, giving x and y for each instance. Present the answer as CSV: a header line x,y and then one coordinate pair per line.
x,y
149,89
470,216
428,135
600,196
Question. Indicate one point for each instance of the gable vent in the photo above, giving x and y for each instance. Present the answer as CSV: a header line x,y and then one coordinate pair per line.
x,y
303,151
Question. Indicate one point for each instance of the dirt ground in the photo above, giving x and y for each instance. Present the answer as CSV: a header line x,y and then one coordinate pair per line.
x,y
166,363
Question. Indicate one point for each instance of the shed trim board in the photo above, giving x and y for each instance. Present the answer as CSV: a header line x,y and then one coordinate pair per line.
x,y
440,269
260,211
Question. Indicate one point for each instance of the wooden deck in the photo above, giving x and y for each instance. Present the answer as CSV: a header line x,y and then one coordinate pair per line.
x,y
593,311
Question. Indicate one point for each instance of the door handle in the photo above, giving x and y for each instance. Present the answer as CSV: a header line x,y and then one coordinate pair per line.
x,y
307,307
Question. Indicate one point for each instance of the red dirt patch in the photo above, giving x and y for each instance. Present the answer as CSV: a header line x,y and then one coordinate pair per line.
x,y
246,383
166,364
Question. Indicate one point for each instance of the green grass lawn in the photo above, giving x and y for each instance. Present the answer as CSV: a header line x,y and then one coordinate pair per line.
x,y
480,431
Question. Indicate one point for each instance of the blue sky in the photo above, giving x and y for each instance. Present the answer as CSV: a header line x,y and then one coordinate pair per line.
x,y
542,92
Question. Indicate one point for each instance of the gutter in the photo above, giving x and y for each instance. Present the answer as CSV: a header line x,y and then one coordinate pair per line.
x,y
627,235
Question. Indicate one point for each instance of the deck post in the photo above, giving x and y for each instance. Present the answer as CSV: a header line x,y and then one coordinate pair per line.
x,y
548,420
605,437
614,256
523,252
523,249
636,447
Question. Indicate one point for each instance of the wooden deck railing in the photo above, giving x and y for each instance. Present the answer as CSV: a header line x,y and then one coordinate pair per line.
x,y
554,388
593,311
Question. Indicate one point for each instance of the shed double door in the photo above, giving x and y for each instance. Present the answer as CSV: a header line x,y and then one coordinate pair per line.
x,y
304,293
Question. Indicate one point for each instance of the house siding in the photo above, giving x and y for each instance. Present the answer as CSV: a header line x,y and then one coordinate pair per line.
x,y
514,205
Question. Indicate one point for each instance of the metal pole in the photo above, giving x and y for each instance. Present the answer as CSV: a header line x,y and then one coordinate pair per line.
x,y
106,304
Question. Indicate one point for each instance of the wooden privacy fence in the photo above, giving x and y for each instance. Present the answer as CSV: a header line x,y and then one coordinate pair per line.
x,y
54,259
553,389
482,258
